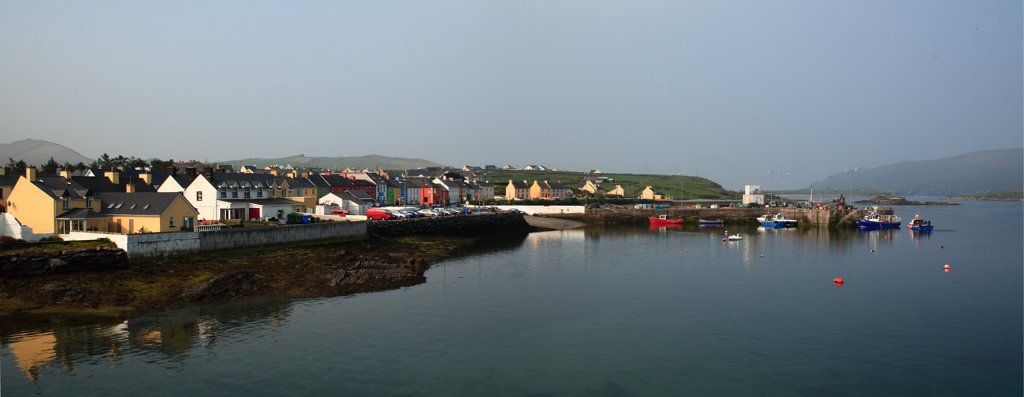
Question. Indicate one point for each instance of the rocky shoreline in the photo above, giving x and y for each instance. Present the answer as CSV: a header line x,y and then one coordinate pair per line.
x,y
317,269
897,200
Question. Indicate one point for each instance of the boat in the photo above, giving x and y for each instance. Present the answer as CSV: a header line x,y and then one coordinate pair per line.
x,y
919,224
776,221
735,237
874,220
710,222
664,220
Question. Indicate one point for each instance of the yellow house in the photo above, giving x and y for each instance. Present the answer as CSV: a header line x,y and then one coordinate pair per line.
x,y
540,190
517,190
37,201
617,191
590,187
649,194
130,213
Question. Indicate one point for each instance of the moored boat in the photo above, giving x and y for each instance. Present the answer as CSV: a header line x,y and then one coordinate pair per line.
x,y
776,221
710,222
664,220
874,220
919,224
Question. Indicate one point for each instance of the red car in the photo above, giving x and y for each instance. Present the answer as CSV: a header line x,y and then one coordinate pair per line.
x,y
339,212
378,214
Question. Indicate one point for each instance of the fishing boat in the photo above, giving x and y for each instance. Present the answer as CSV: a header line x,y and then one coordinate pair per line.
x,y
920,225
776,221
664,220
710,222
874,220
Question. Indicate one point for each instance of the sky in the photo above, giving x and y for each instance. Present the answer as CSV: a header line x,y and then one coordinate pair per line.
x,y
777,93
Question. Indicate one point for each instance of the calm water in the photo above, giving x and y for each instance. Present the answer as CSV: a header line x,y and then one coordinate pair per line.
x,y
605,311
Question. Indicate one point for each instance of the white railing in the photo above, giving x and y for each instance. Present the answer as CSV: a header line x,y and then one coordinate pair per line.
x,y
209,228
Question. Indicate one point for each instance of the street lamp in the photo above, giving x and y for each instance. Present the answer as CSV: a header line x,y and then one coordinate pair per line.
x,y
849,180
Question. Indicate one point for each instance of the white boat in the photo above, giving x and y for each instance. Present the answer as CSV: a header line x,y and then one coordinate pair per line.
x,y
735,237
776,221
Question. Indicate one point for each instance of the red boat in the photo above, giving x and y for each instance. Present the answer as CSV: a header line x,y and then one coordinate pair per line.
x,y
663,220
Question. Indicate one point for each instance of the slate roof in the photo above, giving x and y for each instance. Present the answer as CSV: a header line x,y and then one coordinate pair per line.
x,y
144,203
358,194
81,213
300,183
519,185
338,181
97,184
231,179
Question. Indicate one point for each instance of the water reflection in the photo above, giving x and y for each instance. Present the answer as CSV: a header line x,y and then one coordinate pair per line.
x,y
171,334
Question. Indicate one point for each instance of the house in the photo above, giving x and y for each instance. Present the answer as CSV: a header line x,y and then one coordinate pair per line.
x,y
422,189
348,200
517,190
7,183
145,212
617,191
649,194
454,187
540,190
534,167
37,201
380,185
592,188
558,191
243,196
252,169
479,191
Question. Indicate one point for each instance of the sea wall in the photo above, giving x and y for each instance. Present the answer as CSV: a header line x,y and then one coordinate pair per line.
x,y
629,215
459,225
545,209
244,237
67,261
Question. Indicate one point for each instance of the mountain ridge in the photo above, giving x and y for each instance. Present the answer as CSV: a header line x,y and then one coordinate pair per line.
x,y
369,161
986,171
37,152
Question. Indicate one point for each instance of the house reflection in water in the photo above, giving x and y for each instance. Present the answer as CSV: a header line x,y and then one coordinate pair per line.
x,y
173,334
32,351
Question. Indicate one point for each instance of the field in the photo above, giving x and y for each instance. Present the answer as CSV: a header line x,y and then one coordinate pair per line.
x,y
677,186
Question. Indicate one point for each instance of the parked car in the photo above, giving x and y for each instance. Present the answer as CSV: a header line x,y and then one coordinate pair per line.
x,y
378,214
426,212
339,212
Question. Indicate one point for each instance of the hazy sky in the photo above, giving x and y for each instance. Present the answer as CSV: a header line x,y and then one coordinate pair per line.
x,y
727,89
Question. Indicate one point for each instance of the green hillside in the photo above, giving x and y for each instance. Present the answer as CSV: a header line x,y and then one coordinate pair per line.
x,y
691,187
369,162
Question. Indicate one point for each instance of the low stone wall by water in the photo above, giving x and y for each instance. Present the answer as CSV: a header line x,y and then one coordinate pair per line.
x,y
67,261
459,225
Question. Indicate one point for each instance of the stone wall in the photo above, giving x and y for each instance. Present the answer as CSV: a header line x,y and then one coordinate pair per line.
x,y
67,261
545,209
251,237
459,225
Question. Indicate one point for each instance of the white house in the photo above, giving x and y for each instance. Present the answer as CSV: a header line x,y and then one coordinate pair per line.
x,y
347,201
454,189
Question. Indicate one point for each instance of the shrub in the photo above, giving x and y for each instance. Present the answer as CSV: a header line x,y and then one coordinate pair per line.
x,y
51,238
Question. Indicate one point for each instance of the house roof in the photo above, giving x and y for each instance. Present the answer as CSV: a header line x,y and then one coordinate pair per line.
x,y
268,201
98,184
337,181
520,185
355,195
239,179
139,203
81,213
8,180
300,182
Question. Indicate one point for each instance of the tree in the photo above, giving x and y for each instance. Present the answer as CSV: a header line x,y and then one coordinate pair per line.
x,y
50,167
16,167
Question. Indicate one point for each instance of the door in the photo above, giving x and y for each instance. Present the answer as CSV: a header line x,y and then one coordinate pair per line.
x,y
254,213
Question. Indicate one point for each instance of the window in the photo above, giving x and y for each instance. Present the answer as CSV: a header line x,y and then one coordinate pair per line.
x,y
223,193
64,202
234,193
248,194
171,222
199,196
88,202
259,192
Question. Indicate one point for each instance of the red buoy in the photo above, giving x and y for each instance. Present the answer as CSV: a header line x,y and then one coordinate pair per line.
x,y
838,281
946,267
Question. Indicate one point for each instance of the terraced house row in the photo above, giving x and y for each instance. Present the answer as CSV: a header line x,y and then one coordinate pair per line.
x,y
141,201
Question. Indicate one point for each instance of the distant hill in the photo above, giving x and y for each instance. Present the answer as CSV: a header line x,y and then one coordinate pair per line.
x,y
370,162
972,173
37,152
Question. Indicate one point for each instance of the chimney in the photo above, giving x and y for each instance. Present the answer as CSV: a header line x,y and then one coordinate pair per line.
x,y
146,177
3,171
66,174
114,177
30,173
129,187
